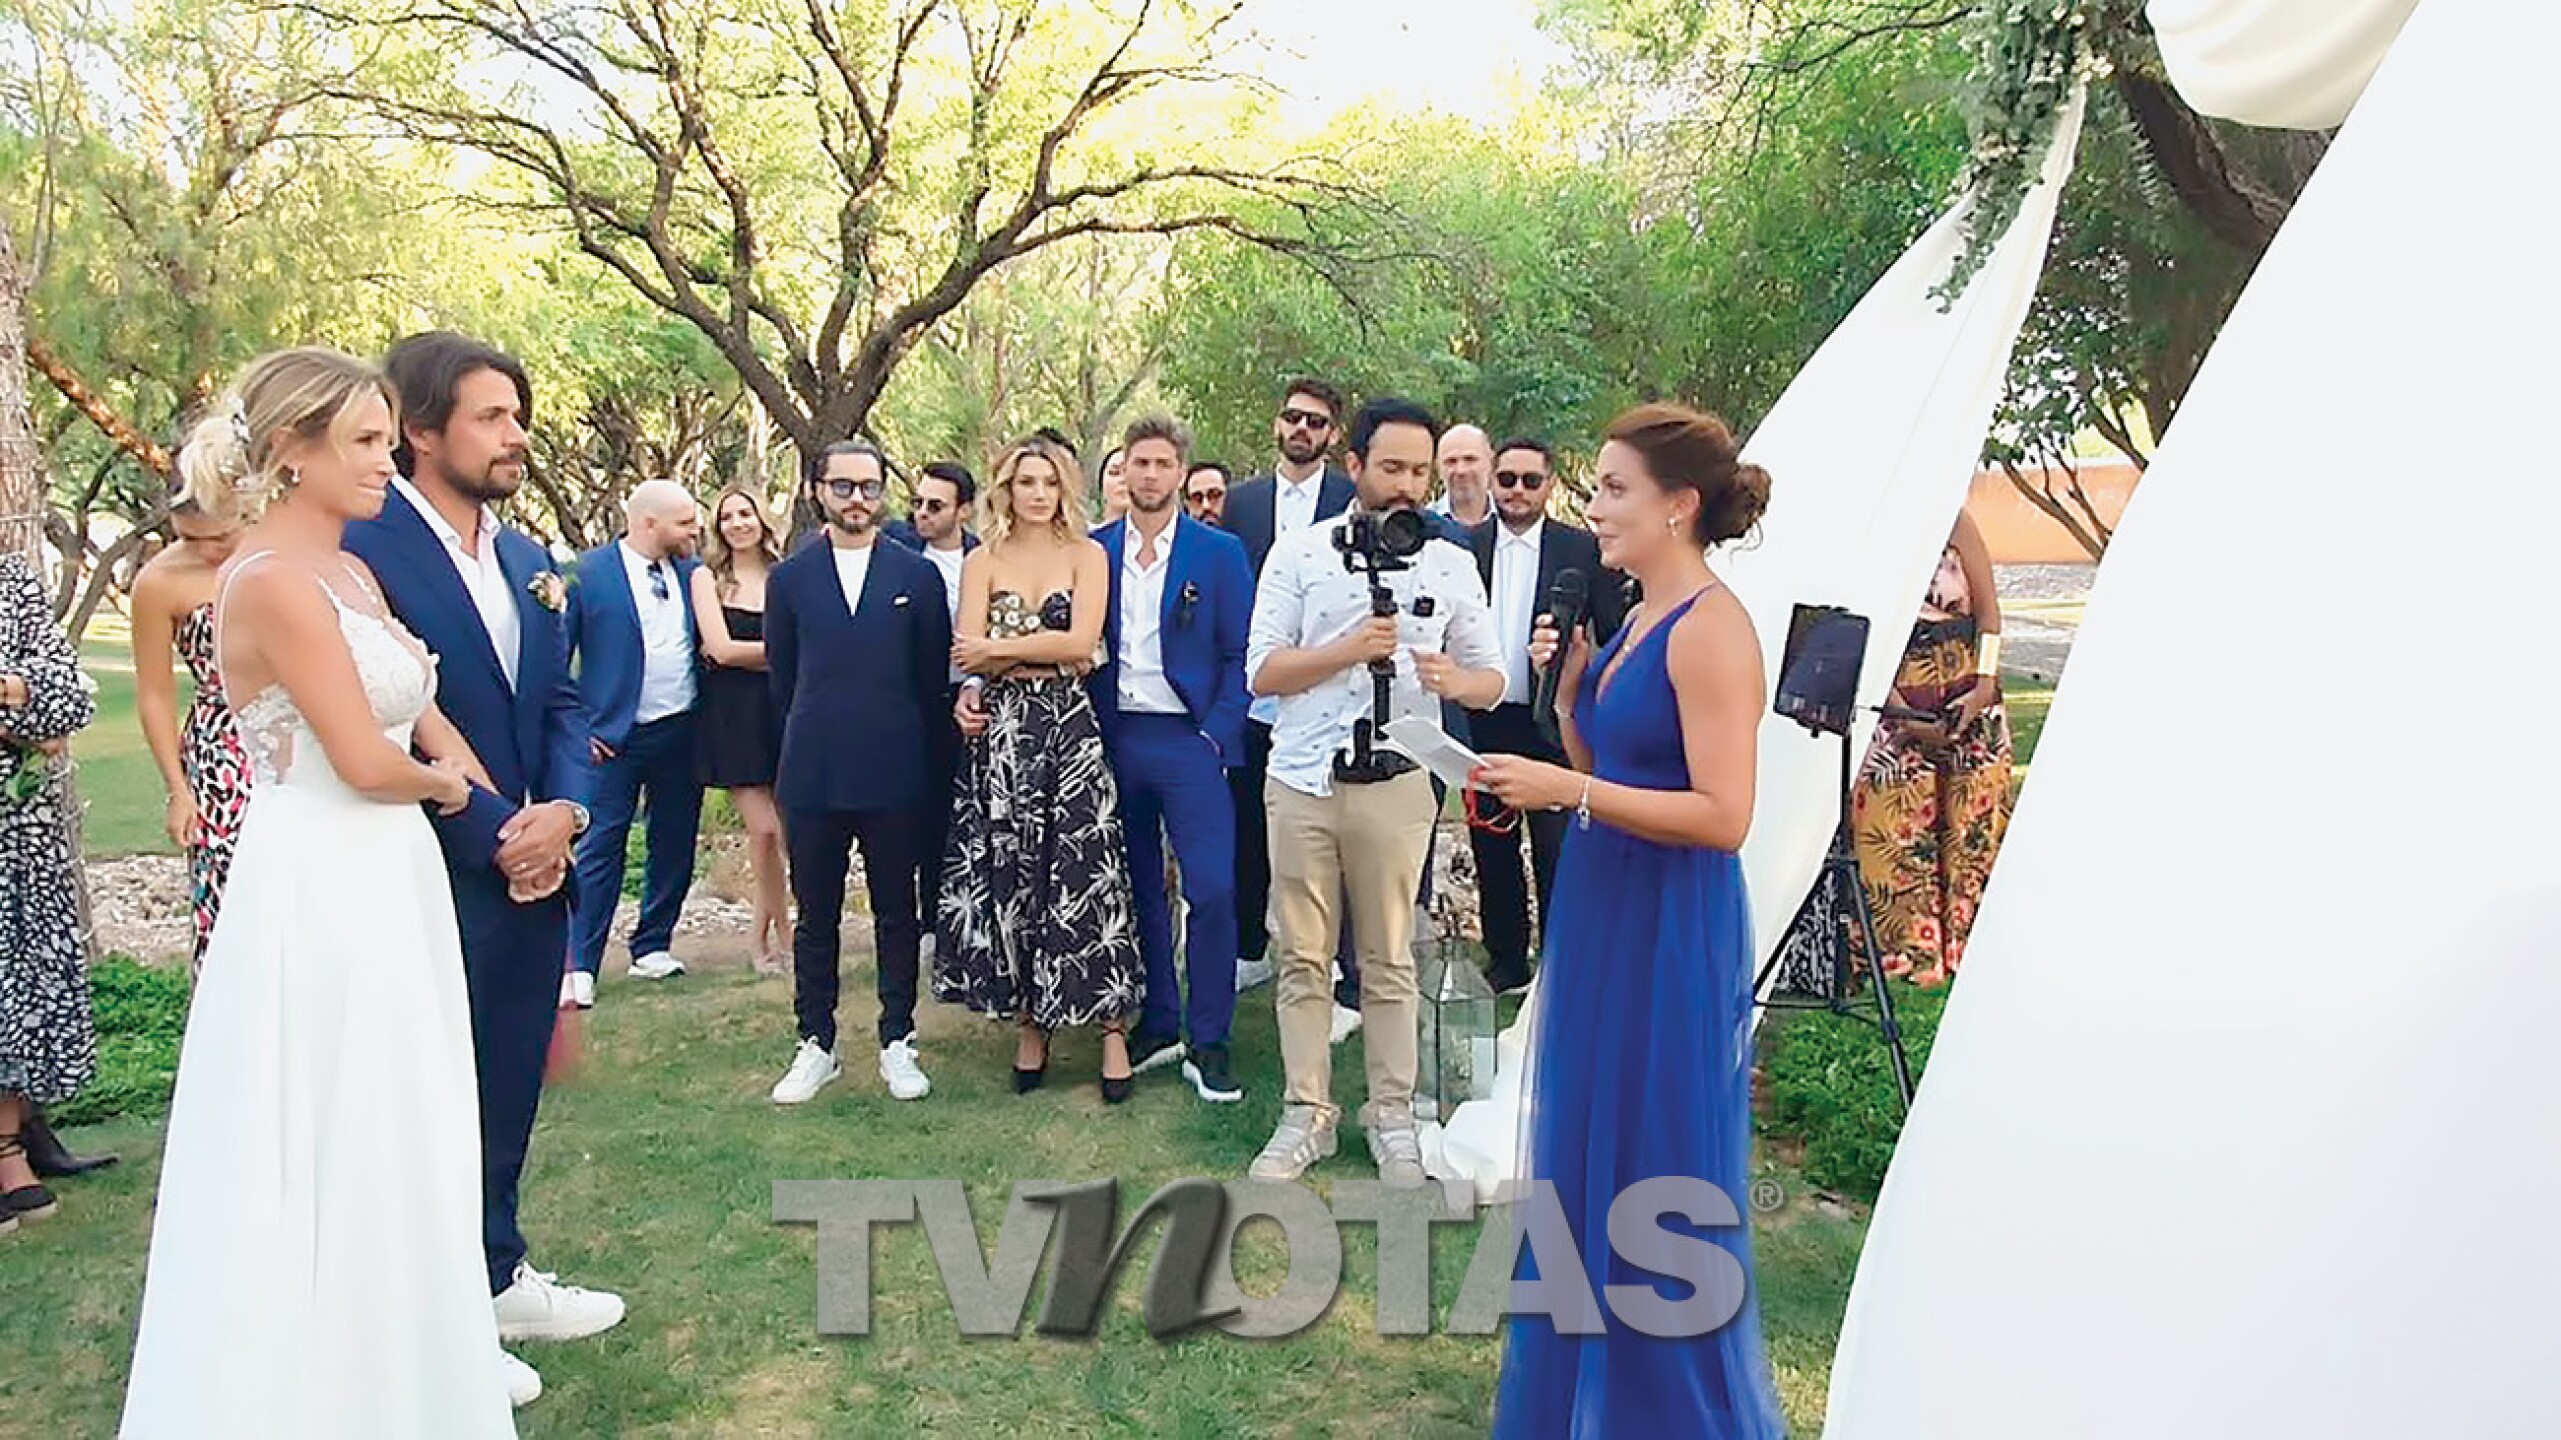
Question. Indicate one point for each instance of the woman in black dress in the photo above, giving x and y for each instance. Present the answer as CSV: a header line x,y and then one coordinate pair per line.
x,y
1037,924
739,734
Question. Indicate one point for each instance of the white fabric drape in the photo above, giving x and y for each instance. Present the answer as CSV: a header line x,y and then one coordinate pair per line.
x,y
2297,64
2240,1121
1870,452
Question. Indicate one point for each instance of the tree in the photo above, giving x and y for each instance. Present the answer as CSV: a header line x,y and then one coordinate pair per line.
x,y
814,188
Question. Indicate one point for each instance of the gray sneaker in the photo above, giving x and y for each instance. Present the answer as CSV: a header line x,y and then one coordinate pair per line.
x,y
1396,1148
1305,1136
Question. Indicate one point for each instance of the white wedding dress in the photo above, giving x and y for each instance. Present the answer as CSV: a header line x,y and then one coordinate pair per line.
x,y
316,1264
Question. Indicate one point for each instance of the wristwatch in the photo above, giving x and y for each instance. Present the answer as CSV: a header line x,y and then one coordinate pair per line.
x,y
578,818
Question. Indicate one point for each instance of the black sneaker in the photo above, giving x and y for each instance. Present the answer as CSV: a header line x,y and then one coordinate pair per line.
x,y
1507,979
1153,1052
1207,1070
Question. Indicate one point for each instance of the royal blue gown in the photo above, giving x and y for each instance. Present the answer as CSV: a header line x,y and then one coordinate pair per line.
x,y
1640,1069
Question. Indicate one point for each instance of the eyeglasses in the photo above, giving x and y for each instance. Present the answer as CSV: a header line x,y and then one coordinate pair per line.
x,y
1519,479
844,489
1306,419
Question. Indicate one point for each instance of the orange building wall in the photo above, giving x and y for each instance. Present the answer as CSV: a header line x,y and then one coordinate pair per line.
x,y
2018,533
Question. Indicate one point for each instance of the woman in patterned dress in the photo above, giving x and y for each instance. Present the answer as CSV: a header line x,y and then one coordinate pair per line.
x,y
201,764
48,1049
1036,921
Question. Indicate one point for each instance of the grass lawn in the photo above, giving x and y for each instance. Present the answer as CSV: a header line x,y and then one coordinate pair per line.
x,y
119,786
652,1175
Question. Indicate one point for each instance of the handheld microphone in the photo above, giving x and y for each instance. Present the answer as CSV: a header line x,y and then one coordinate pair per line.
x,y
1565,602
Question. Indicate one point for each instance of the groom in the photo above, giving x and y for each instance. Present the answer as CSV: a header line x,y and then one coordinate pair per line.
x,y
487,602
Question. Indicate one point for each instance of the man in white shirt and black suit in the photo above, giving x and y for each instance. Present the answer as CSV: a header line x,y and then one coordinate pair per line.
x,y
1301,490
1348,811
946,497
1519,553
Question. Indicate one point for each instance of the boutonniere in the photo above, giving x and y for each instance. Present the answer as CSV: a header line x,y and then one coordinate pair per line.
x,y
549,591
1184,601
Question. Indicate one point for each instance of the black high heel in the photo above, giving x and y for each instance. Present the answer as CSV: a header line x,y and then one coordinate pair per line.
x,y
1116,1088
27,1202
1026,1081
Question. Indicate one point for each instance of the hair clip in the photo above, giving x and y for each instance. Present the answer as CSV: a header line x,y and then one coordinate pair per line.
x,y
240,426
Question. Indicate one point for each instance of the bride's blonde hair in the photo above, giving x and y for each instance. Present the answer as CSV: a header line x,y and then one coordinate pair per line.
x,y
228,464
996,507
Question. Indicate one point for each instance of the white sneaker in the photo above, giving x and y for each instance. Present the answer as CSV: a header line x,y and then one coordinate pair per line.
x,y
536,1306
524,1383
578,989
657,965
1305,1136
812,1068
1250,973
1347,1022
898,1068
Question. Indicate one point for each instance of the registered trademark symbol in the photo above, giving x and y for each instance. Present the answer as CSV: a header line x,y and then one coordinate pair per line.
x,y
1768,1195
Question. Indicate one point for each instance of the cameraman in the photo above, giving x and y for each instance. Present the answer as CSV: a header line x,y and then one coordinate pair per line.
x,y
1342,819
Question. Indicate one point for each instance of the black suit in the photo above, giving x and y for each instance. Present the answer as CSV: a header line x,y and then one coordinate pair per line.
x,y
1513,728
1253,516
861,690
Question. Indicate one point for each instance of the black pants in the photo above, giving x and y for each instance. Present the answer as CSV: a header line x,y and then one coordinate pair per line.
x,y
943,752
822,844
1504,898
1253,845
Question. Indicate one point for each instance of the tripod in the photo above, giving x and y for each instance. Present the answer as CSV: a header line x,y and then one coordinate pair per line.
x,y
1852,934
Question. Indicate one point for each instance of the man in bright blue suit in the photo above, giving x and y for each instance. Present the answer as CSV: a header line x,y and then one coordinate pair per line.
x,y
631,626
1172,707
487,602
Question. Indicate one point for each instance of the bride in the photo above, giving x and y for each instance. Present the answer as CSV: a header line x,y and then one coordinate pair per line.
x,y
315,1260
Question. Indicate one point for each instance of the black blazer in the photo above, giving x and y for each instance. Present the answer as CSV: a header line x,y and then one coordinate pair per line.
x,y
904,533
1562,547
1253,512
861,691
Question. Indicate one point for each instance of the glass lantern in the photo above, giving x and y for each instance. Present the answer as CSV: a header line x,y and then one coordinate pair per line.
x,y
1458,1027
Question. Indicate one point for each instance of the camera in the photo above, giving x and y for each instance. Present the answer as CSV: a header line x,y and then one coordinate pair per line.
x,y
1378,540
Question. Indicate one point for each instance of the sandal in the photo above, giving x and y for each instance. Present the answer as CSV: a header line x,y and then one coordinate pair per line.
x,y
1116,1088
27,1202
1028,1079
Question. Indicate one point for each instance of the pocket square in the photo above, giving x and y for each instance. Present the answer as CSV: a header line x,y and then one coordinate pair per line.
x,y
901,600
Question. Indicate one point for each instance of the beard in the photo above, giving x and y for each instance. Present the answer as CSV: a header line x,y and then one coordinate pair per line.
x,y
1298,450
485,488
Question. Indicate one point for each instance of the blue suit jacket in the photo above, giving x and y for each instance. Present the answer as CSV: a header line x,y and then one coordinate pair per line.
x,y
604,636
1253,512
1209,603
531,737
860,689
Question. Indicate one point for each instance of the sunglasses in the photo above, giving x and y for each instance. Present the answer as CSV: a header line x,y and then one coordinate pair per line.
x,y
933,507
1519,479
844,489
1201,496
1307,419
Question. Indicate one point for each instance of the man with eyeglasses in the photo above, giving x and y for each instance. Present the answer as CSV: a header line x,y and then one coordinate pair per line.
x,y
1464,460
858,646
631,632
1205,493
1519,554
1302,489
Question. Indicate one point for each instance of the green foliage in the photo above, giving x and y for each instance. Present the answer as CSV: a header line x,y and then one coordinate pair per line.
x,y
141,1013
1828,1084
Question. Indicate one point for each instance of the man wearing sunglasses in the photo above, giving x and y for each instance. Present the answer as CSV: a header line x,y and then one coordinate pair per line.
x,y
939,530
631,629
1205,493
1302,489
858,645
1519,554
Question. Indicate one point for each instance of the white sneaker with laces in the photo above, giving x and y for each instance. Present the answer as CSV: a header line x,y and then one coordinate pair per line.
x,y
536,1306
524,1383
1347,1022
1250,973
813,1067
1304,1137
578,990
1396,1148
657,965
899,1070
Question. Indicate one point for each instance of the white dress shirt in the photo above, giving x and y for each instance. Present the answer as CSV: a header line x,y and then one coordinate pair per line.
x,y
853,567
667,647
1144,690
1515,601
482,576
1293,510
1308,599
949,562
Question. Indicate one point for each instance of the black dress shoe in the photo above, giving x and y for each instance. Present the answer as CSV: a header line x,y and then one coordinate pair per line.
x,y
1507,979
47,1155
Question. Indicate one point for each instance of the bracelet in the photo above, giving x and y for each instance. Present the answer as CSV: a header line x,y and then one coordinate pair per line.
x,y
1987,654
1583,807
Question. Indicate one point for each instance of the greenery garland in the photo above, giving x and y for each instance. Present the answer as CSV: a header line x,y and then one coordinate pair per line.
x,y
2027,56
